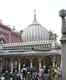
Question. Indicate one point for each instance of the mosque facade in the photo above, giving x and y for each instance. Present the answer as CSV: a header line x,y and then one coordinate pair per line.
x,y
35,48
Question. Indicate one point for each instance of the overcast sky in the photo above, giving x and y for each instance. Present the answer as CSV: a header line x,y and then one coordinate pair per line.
x,y
19,13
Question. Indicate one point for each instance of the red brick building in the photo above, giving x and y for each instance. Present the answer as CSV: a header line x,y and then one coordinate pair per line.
x,y
7,35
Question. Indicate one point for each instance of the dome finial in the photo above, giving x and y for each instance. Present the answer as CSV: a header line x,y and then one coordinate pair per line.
x,y
34,14
35,19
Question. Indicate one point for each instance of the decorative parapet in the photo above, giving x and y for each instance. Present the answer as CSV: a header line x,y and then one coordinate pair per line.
x,y
41,45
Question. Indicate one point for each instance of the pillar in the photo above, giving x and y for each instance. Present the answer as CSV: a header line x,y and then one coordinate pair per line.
x,y
63,42
6,62
40,65
1,65
53,61
11,66
19,66
31,65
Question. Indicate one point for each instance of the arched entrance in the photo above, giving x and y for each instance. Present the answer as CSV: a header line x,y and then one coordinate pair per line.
x,y
2,40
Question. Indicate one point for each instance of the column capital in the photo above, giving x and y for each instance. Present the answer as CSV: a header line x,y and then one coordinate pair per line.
x,y
62,13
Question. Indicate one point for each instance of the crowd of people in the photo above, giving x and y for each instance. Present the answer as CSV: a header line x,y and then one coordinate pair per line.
x,y
26,73
24,76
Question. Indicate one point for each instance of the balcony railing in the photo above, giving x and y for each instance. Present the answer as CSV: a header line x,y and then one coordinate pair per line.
x,y
37,44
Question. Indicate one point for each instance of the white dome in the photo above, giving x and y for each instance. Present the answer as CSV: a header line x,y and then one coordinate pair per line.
x,y
35,32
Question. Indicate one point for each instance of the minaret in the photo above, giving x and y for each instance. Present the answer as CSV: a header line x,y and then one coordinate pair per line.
x,y
35,19
13,28
63,41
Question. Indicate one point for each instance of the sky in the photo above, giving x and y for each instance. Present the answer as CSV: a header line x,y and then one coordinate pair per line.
x,y
19,13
